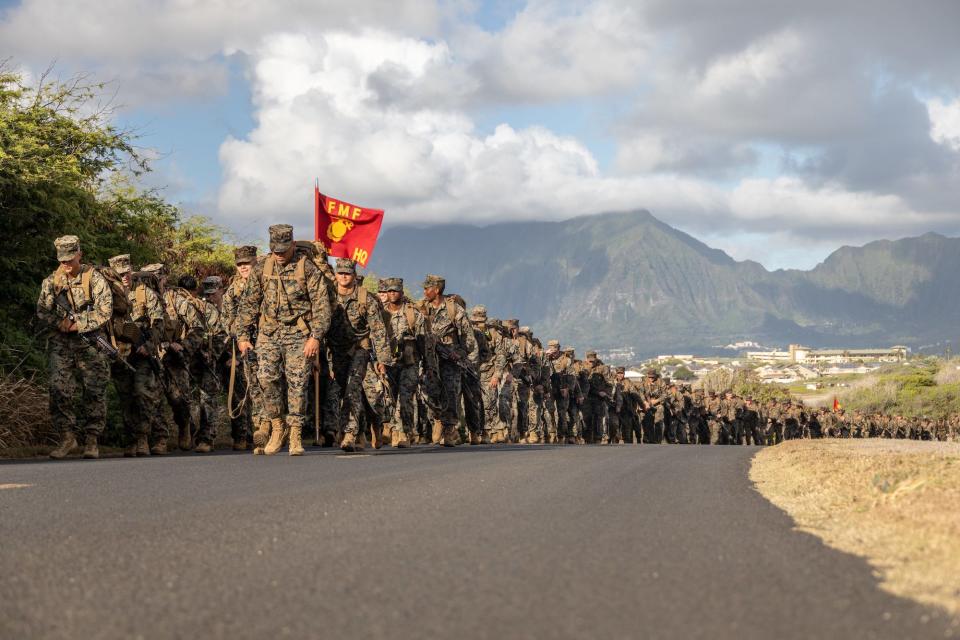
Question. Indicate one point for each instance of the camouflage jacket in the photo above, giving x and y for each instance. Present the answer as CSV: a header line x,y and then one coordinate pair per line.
x,y
189,312
491,352
655,394
454,331
359,326
597,380
147,313
230,307
520,365
284,300
408,341
91,313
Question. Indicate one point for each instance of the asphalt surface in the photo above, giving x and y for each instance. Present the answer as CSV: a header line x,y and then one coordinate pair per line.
x,y
474,542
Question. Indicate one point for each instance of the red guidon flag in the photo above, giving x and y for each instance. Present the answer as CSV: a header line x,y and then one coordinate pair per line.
x,y
836,404
346,230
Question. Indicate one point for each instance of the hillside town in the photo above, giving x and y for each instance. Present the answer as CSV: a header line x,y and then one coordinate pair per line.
x,y
797,364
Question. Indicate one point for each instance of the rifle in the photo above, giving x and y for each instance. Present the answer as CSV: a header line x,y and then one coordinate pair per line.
x,y
445,351
95,338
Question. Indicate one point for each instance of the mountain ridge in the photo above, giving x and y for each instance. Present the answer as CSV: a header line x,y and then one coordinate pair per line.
x,y
627,280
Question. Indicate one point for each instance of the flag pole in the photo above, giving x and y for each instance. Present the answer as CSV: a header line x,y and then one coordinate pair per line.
x,y
316,209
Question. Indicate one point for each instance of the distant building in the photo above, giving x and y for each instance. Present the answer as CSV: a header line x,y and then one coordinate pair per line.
x,y
798,354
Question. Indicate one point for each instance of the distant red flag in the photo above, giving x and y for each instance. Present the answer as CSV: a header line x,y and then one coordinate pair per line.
x,y
836,404
346,230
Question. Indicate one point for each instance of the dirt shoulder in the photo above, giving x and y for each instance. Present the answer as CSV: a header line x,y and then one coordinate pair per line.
x,y
894,502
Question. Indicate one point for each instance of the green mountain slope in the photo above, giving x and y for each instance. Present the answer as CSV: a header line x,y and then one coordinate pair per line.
x,y
627,280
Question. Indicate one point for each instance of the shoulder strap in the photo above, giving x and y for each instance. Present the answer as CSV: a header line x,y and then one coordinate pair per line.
x,y
300,273
85,277
410,317
451,308
362,294
140,295
269,267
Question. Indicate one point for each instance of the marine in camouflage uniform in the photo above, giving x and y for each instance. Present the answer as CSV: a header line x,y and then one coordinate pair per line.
x,y
357,336
408,331
448,325
287,305
597,393
654,392
492,363
246,410
731,410
630,411
750,421
615,408
200,321
567,390
70,358
679,405
139,391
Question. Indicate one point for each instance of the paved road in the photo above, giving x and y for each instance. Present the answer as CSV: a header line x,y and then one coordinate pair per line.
x,y
545,542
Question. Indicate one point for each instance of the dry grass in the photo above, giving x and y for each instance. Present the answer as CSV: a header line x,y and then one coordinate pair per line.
x,y
894,502
24,417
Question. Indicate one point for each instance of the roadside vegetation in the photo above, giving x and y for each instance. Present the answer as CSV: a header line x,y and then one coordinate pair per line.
x,y
65,168
926,388
893,502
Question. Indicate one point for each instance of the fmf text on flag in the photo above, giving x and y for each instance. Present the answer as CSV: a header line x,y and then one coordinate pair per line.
x,y
346,230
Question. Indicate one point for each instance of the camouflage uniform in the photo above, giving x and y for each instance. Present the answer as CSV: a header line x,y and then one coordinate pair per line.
x,y
286,305
731,409
655,412
597,393
70,358
247,398
448,325
139,391
492,362
408,329
357,334
750,421
567,389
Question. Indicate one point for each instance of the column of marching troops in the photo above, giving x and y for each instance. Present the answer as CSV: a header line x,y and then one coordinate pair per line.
x,y
293,345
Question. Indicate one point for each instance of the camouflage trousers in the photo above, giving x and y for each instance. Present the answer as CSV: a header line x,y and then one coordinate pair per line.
x,y
613,422
450,382
73,364
284,374
505,402
473,408
630,426
405,380
349,372
378,394
594,418
251,376
521,407
490,399
141,398
543,413
177,392
205,392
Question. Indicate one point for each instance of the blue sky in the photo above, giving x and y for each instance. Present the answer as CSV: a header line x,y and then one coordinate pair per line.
x,y
777,138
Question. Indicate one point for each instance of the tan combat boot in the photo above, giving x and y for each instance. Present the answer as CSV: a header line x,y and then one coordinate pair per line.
x,y
386,434
605,440
402,440
475,438
261,435
395,438
143,446
159,447
90,449
349,442
437,434
485,438
203,447
184,440
451,437
296,443
67,444
278,433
